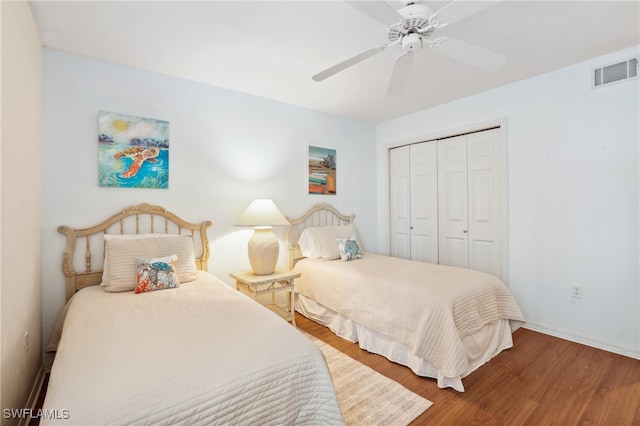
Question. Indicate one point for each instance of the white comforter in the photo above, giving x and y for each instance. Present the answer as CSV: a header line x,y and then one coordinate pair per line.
x,y
198,354
430,308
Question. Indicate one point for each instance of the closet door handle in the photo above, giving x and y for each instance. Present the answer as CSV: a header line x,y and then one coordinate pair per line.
x,y
465,231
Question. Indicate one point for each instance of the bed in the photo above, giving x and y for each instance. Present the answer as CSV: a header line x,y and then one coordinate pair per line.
x,y
196,353
441,322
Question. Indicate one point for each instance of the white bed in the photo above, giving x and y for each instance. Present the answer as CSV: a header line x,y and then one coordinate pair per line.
x,y
440,321
200,353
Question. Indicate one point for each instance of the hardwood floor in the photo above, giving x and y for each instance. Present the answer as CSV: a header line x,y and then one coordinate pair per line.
x,y
542,380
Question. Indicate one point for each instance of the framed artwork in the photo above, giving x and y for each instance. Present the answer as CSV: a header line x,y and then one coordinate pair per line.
x,y
133,152
322,170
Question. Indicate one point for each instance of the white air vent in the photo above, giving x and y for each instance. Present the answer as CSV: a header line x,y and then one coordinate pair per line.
x,y
615,73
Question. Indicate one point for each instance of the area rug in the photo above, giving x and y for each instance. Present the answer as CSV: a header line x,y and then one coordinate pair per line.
x,y
365,396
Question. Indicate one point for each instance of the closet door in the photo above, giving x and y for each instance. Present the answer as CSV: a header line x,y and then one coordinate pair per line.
x,y
448,201
453,241
424,202
400,202
486,171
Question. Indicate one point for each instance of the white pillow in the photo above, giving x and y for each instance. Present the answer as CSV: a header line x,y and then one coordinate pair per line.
x,y
108,237
326,238
308,244
122,259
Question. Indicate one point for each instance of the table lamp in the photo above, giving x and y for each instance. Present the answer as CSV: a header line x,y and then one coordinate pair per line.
x,y
263,246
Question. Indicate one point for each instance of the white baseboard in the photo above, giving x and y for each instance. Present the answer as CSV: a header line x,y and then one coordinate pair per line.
x,y
567,335
34,394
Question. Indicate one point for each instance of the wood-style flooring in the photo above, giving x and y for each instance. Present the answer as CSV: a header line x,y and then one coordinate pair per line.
x,y
542,380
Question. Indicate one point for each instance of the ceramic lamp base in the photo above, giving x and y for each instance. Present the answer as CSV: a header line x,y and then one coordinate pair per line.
x,y
263,250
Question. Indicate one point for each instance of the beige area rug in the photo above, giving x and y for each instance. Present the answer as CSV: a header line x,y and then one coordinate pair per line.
x,y
366,397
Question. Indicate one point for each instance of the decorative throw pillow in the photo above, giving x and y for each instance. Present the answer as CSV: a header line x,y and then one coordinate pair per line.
x,y
349,248
157,273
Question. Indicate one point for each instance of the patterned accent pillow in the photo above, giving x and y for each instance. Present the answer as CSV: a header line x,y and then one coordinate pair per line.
x,y
349,248
157,273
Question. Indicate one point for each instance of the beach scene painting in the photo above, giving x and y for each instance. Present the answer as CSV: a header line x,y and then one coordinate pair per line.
x,y
133,152
322,170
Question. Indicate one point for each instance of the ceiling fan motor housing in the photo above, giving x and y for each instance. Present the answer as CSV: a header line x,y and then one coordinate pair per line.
x,y
416,17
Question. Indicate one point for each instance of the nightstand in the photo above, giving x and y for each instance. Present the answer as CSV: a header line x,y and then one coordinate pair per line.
x,y
281,280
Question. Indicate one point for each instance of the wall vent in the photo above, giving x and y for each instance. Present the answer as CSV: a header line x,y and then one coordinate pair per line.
x,y
614,73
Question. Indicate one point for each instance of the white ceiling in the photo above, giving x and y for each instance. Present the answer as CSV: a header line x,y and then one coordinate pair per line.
x,y
272,48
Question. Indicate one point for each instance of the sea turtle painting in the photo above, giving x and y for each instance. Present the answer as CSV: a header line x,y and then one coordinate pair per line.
x,y
133,152
139,155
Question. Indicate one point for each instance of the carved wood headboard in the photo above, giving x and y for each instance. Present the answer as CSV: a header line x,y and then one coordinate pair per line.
x,y
321,214
140,219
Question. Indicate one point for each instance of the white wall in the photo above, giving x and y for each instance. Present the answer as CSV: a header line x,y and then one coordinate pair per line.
x,y
20,178
226,149
573,196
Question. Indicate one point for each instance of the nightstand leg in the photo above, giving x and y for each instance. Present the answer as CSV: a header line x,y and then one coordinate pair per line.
x,y
292,306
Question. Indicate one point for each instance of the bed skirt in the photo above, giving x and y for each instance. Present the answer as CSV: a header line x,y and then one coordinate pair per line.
x,y
480,347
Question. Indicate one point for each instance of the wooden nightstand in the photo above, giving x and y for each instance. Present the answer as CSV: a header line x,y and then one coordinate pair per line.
x,y
281,280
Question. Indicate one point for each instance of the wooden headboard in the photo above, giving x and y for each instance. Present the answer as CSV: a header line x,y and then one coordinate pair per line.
x,y
140,219
321,214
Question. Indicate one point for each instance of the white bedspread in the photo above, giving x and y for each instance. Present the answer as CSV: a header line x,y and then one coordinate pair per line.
x,y
430,308
198,354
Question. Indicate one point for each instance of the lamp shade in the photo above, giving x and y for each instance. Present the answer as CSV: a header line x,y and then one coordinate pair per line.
x,y
262,212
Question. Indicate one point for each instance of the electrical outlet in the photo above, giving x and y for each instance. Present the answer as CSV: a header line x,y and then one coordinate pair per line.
x,y
26,343
576,291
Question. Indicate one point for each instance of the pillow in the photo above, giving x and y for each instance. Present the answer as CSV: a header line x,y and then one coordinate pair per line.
x,y
122,259
157,274
108,237
308,244
326,239
349,248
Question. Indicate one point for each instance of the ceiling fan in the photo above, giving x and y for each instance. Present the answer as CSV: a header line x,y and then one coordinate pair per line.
x,y
412,27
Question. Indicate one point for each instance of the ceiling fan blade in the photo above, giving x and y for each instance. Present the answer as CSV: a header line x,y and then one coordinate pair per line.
x,y
349,62
458,10
400,74
469,54
379,10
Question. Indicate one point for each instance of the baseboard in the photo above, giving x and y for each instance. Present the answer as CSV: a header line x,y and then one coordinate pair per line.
x,y
35,393
566,335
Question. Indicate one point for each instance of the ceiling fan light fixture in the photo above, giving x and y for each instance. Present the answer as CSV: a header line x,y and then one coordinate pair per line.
x,y
412,41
